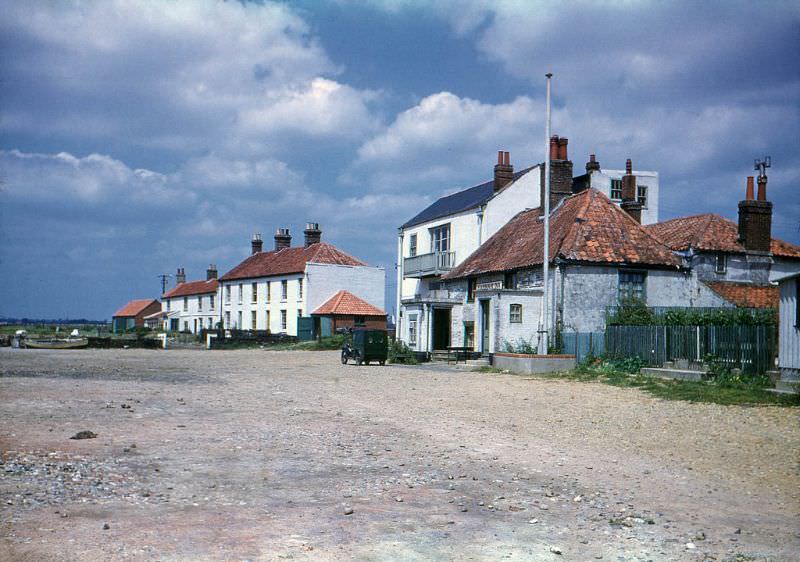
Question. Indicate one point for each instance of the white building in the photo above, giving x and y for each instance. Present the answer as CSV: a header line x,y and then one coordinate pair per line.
x,y
272,290
789,331
193,306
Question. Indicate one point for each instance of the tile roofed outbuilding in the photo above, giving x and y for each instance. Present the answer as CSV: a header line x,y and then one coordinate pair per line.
x,y
289,260
586,227
135,307
711,232
747,295
193,288
346,303
460,201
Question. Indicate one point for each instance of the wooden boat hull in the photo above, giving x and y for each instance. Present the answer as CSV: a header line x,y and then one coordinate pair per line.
x,y
56,344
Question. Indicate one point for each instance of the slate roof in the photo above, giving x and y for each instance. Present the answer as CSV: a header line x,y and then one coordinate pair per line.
x,y
711,232
460,201
347,304
747,295
586,227
289,260
135,307
193,288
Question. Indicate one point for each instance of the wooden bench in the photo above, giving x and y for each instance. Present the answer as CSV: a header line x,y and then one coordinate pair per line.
x,y
458,352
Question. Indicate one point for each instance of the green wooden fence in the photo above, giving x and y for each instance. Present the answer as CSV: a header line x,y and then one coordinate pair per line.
x,y
749,348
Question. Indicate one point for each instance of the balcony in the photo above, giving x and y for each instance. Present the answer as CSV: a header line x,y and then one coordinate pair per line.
x,y
426,265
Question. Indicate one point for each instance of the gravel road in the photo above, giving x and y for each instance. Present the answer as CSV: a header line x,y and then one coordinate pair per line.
x,y
258,455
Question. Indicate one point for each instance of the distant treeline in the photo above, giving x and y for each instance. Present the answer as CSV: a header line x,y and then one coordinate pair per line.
x,y
54,321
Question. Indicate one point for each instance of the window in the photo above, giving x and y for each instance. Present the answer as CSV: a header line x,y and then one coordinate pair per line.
x,y
185,304
510,281
169,302
254,290
227,320
440,239
300,289
283,319
359,321
268,320
253,320
227,294
211,299
616,189
284,289
720,263
641,195
515,314
469,335
199,303
269,291
632,286
239,320
472,285
412,330
241,294
412,245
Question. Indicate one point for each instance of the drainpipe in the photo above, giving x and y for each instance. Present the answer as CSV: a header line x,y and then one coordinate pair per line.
x,y
480,225
399,296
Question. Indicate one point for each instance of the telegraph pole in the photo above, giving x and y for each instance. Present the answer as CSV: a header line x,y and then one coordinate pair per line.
x,y
164,277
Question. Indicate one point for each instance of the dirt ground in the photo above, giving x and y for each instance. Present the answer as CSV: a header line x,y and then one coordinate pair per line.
x,y
257,455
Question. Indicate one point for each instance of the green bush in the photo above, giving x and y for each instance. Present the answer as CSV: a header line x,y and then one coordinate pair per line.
x,y
396,348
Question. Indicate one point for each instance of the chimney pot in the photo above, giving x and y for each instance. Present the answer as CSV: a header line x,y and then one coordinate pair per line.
x,y
762,188
628,166
282,239
313,234
554,147
562,148
211,272
180,276
749,194
499,157
592,164
503,171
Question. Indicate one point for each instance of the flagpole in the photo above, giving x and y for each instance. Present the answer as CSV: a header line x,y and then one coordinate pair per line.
x,y
544,323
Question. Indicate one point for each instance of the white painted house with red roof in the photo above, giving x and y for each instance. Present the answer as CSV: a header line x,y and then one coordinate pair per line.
x,y
271,290
193,306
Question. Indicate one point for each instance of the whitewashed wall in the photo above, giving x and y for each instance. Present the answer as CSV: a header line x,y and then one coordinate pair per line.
x,y
789,332
518,196
325,280
205,315
601,181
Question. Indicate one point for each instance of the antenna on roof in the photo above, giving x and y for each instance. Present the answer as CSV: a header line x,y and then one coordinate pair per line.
x,y
762,165
164,277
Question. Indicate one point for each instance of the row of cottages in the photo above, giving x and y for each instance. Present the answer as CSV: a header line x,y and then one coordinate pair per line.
x,y
443,235
134,315
600,255
273,290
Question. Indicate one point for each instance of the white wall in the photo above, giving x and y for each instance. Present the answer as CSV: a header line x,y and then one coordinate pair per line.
x,y
522,194
789,333
325,280
244,303
601,181
194,311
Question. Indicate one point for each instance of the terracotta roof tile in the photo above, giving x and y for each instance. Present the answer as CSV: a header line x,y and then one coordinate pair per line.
x,y
193,288
711,232
346,303
585,227
747,295
289,260
135,307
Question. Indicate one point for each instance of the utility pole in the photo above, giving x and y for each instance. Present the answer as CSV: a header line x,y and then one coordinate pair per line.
x,y
164,277
543,317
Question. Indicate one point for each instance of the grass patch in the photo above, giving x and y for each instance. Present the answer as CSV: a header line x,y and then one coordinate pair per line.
x,y
487,369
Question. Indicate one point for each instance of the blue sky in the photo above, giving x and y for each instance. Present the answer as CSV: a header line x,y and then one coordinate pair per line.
x,y
141,136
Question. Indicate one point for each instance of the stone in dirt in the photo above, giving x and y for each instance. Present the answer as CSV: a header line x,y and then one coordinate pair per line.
x,y
85,434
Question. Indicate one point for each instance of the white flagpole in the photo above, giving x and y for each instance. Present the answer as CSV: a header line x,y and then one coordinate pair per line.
x,y
544,319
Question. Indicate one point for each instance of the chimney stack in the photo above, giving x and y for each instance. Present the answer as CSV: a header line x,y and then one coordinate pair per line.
x,y
211,272
180,276
256,244
282,239
630,201
503,171
560,173
313,233
592,164
755,217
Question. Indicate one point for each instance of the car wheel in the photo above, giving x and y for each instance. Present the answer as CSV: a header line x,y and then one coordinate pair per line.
x,y
344,358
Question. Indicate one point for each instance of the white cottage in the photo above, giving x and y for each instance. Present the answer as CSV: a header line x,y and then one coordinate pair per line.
x,y
193,306
271,290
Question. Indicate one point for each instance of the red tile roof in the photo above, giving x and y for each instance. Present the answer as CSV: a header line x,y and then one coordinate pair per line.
x,y
289,260
711,232
586,227
193,288
346,303
134,308
747,295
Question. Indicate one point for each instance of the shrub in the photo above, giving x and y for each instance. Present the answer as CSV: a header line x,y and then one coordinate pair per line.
x,y
406,354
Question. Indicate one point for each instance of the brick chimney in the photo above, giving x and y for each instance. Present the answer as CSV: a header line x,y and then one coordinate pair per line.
x,y
503,171
312,233
755,218
560,173
282,239
256,244
592,165
180,276
630,202
211,272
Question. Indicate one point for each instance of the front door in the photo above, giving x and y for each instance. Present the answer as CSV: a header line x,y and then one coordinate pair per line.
x,y
485,327
441,328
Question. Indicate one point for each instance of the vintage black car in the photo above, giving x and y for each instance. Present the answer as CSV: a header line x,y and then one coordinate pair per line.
x,y
365,345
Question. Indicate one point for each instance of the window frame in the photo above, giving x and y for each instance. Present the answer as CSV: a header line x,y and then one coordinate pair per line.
x,y
284,290
626,290
284,320
412,246
185,304
515,313
440,238
254,293
412,330
300,289
642,194
472,288
723,258
615,186
211,300
241,292
253,320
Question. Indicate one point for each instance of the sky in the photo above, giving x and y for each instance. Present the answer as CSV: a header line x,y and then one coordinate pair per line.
x,y
137,137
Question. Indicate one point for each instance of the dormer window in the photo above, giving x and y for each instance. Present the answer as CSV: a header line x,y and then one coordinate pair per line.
x,y
720,263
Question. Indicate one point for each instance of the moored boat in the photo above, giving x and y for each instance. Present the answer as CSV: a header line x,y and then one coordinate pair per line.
x,y
55,343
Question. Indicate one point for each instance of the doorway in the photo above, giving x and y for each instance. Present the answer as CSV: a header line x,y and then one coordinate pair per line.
x,y
441,328
485,327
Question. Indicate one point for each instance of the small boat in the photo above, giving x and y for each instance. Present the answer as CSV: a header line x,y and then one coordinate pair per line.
x,y
55,343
